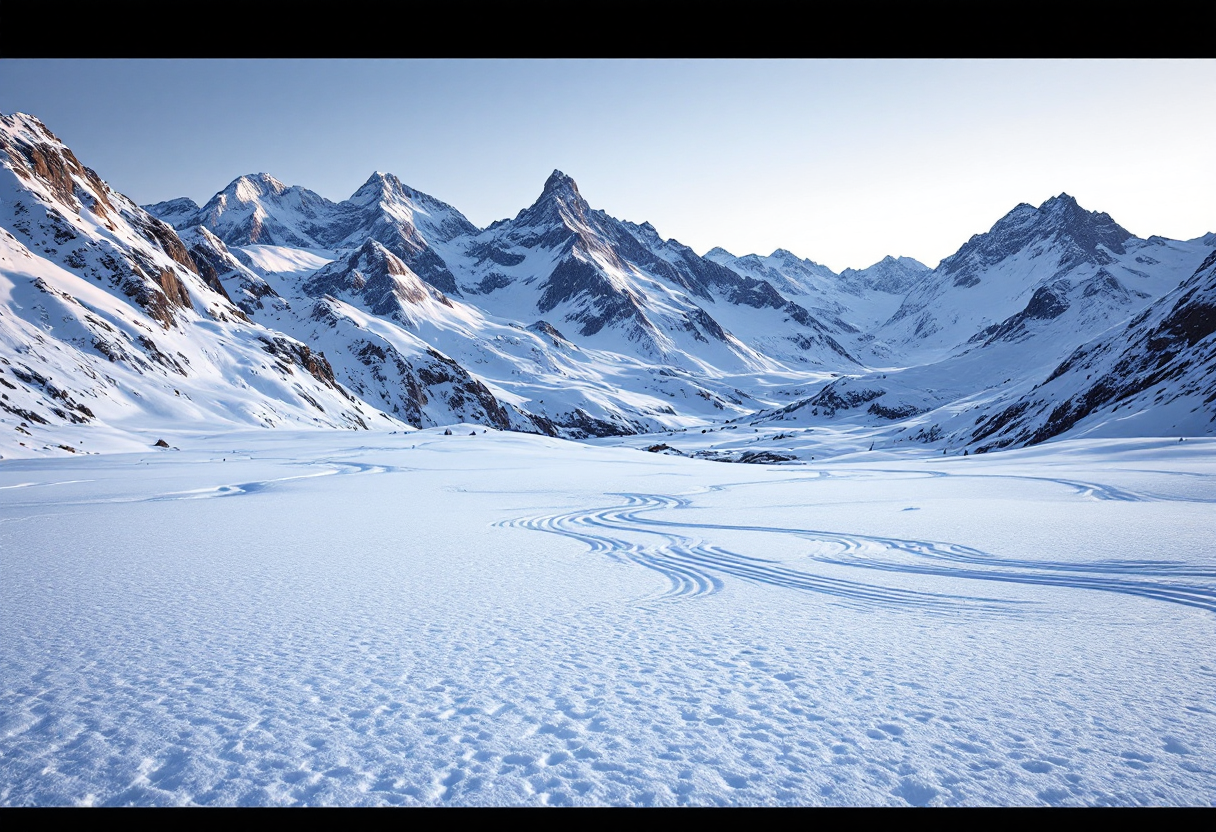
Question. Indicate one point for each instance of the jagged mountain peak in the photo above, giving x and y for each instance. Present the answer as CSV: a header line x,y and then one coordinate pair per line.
x,y
1079,222
385,198
559,184
890,275
561,192
1062,202
1059,224
28,121
892,262
559,206
376,279
1063,214
257,208
785,257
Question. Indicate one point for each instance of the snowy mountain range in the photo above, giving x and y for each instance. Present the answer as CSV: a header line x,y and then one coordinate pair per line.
x,y
273,306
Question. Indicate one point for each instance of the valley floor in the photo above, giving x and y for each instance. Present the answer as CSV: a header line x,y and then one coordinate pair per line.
x,y
334,617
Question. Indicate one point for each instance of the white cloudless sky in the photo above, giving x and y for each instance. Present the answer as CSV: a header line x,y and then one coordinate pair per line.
x,y
841,161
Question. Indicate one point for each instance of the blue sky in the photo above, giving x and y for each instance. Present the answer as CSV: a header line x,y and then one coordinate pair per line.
x,y
840,161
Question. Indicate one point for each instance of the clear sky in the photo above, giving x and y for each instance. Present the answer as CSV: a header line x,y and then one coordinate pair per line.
x,y
841,161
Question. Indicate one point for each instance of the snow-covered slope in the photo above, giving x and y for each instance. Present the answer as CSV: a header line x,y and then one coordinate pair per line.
x,y
258,208
1155,376
890,275
332,618
106,319
109,318
375,358
1057,267
1061,265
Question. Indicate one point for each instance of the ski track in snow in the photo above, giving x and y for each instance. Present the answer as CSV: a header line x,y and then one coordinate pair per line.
x,y
690,564
329,468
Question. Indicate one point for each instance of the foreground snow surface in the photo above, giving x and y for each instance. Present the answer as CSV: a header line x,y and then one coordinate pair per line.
x,y
413,618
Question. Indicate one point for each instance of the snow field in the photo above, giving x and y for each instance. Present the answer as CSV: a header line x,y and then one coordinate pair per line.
x,y
349,618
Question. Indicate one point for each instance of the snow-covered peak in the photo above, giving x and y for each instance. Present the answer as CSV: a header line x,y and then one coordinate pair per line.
x,y
1061,224
384,197
559,203
28,129
378,187
719,255
1087,228
373,258
250,187
259,209
177,212
375,278
48,168
891,275
906,262
1166,353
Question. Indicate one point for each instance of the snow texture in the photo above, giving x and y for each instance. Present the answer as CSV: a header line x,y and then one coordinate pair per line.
x,y
328,617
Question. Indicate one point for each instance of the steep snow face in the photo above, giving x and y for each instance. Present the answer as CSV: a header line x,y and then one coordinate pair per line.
x,y
406,222
1154,376
384,196
107,319
853,303
1034,266
374,358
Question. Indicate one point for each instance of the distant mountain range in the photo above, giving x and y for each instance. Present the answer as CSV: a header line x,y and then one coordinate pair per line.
x,y
273,306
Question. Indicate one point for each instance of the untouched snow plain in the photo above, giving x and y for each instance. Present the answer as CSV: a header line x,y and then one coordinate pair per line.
x,y
331,617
